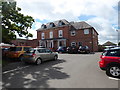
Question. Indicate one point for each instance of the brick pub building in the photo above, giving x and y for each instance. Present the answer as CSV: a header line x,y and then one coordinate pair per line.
x,y
64,33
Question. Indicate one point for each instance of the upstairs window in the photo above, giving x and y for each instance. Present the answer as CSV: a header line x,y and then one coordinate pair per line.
x,y
51,25
61,23
93,32
42,35
60,33
86,31
73,33
51,34
43,26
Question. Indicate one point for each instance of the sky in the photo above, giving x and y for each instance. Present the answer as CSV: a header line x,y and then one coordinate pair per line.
x,y
101,14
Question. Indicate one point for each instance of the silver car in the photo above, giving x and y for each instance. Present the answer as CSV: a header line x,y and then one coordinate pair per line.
x,y
37,55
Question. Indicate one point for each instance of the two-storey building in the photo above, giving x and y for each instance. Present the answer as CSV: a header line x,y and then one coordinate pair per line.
x,y
64,33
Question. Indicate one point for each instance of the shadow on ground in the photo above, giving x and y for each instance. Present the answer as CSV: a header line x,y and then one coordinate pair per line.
x,y
35,76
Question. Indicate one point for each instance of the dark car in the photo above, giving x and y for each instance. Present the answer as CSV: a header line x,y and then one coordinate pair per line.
x,y
110,62
61,49
83,49
72,49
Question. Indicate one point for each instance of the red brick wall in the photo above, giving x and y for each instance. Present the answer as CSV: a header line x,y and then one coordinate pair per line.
x,y
89,40
85,39
55,32
22,42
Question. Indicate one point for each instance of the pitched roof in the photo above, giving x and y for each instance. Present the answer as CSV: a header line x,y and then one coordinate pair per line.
x,y
75,25
81,25
56,23
108,43
63,20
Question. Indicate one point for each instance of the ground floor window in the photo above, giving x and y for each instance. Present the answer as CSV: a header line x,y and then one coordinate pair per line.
x,y
51,44
73,43
80,43
60,43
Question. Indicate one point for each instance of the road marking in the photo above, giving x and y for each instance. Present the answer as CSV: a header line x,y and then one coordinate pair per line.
x,y
19,68
113,78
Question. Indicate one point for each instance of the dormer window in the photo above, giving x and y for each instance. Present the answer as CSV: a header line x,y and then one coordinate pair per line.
x,y
61,23
51,25
43,26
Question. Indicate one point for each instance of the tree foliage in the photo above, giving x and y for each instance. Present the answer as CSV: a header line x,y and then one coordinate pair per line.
x,y
14,22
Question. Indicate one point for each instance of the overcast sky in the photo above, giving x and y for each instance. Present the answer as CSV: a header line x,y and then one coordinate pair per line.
x,y
101,14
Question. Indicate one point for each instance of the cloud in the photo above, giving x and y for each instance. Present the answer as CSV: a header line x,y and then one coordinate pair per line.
x,y
105,19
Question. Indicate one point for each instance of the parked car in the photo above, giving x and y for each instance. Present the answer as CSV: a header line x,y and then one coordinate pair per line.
x,y
17,52
4,51
110,62
72,49
61,49
83,49
37,55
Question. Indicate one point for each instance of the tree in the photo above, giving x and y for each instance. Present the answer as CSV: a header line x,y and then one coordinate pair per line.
x,y
14,22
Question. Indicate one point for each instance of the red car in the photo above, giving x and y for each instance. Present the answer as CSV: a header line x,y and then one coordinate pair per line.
x,y
110,62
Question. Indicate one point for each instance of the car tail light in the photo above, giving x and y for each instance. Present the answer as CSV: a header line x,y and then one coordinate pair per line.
x,y
101,62
101,56
33,55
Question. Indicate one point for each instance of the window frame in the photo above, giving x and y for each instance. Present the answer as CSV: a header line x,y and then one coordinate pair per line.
x,y
60,33
73,34
42,35
86,31
51,34
72,43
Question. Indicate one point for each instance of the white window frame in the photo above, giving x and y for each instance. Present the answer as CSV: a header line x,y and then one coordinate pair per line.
x,y
86,31
73,33
51,34
42,35
93,32
60,33
73,43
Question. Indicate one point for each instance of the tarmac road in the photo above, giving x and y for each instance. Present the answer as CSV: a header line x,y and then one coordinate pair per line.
x,y
70,71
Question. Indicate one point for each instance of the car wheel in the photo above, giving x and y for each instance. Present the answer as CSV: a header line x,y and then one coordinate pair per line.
x,y
113,71
38,61
55,57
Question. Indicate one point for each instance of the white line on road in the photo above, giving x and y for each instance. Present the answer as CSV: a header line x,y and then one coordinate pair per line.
x,y
19,68
113,78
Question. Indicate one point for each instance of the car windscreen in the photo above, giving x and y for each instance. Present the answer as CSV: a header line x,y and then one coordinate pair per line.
x,y
15,48
27,48
30,51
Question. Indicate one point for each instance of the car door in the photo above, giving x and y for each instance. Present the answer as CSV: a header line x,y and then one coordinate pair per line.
x,y
113,56
49,54
42,54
